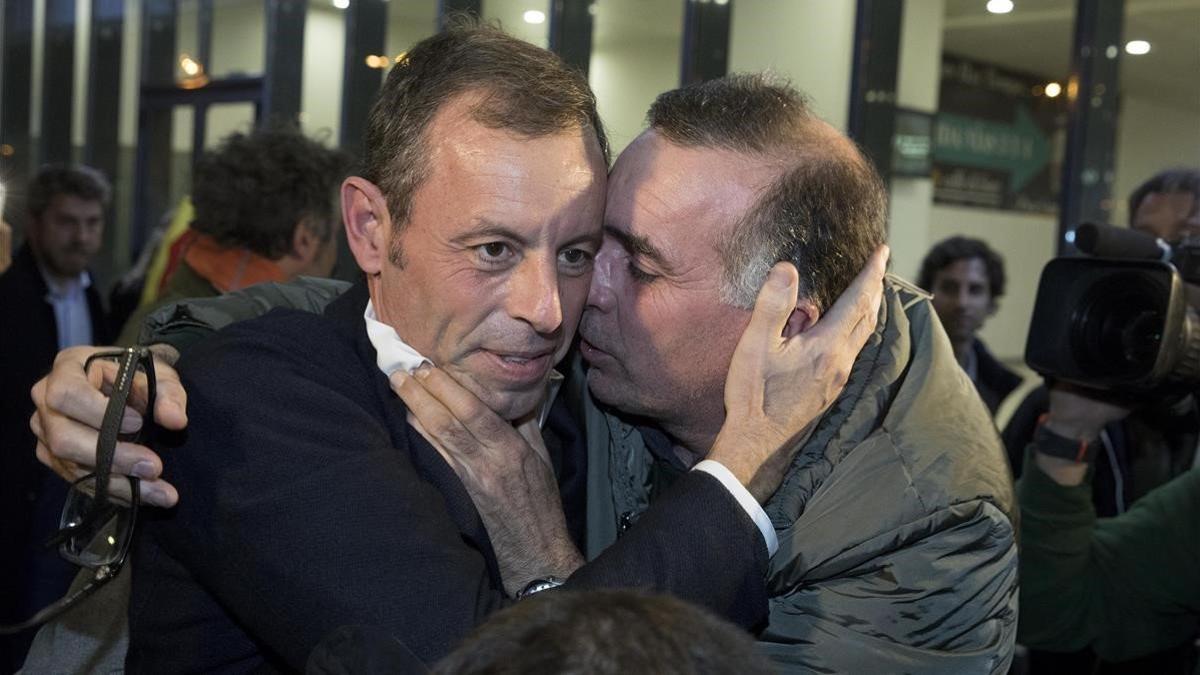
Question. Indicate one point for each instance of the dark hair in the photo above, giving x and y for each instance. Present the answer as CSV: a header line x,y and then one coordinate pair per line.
x,y
825,211
253,189
53,180
606,633
949,251
523,88
1169,181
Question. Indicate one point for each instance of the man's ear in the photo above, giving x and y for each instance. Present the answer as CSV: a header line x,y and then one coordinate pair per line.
x,y
368,223
305,243
802,318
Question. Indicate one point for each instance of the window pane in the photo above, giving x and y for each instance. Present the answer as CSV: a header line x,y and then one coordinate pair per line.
x,y
324,56
635,57
239,37
1158,123
525,19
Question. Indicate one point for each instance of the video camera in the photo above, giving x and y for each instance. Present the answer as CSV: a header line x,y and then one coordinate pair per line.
x,y
1119,319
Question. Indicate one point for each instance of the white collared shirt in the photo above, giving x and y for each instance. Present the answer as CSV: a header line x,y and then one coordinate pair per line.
x,y
72,317
392,354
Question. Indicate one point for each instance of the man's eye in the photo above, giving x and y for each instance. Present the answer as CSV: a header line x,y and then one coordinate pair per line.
x,y
494,251
639,275
576,256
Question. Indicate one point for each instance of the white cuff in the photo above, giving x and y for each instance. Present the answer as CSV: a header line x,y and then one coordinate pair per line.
x,y
742,495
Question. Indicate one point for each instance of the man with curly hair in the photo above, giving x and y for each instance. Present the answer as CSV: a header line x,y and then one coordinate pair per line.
x,y
265,205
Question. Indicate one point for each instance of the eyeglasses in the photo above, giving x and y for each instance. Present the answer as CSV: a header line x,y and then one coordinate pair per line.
x,y
96,525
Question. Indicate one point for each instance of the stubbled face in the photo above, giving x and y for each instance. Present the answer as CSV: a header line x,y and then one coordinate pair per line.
x,y
962,297
1170,216
496,257
655,332
68,234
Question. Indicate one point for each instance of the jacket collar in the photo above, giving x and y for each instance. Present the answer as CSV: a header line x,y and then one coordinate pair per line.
x,y
346,312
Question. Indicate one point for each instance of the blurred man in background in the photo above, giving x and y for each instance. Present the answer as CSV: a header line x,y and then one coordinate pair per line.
x,y
966,278
49,303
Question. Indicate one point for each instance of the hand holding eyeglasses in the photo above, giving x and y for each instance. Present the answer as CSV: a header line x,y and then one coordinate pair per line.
x,y
70,408
97,522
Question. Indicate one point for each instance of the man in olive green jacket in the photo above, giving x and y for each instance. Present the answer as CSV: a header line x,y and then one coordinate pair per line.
x,y
896,543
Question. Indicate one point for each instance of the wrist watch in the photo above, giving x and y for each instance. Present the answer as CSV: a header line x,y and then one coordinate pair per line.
x,y
537,586
1049,443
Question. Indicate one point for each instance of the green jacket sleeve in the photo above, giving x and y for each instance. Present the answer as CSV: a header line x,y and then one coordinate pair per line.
x,y
183,323
1125,586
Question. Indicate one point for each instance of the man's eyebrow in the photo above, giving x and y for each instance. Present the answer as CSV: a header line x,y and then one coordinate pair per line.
x,y
484,228
639,246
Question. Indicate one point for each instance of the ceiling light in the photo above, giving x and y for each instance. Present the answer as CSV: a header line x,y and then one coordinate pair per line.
x,y
189,66
1137,47
1053,89
1000,6
534,16
341,4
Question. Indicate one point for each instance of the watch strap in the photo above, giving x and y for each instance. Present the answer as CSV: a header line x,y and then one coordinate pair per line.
x,y
1049,443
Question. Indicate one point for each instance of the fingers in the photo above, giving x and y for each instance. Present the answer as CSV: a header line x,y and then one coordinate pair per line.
x,y
170,406
68,441
69,391
432,414
775,302
479,420
856,311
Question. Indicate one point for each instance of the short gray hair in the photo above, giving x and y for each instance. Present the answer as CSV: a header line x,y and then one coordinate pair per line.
x,y
826,210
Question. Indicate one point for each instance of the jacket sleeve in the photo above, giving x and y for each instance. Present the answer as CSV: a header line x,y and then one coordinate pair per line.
x,y
299,516
184,323
1126,586
695,542
902,601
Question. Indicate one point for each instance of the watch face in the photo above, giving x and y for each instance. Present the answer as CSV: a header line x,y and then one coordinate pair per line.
x,y
539,585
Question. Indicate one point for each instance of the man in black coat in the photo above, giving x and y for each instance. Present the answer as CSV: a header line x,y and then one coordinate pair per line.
x,y
48,303
315,498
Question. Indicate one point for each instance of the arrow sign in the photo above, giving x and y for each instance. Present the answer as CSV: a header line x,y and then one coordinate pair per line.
x,y
1019,148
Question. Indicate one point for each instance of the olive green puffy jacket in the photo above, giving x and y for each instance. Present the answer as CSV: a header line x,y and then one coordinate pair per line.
x,y
896,541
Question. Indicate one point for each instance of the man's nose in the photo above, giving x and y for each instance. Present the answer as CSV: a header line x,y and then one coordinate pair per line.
x,y
533,295
600,293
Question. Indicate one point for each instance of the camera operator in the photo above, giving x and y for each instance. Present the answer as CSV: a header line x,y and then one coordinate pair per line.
x,y
1125,586
1156,443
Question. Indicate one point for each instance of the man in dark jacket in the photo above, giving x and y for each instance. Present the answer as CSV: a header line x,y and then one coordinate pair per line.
x,y
315,498
896,550
967,280
49,303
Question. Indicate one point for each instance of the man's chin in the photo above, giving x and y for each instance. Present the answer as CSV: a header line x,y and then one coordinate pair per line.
x,y
604,388
511,404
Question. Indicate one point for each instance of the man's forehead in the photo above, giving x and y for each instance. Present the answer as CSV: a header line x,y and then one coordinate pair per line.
x,y
65,201
665,196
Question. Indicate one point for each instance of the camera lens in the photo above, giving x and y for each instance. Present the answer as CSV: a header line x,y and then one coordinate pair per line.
x,y
1118,326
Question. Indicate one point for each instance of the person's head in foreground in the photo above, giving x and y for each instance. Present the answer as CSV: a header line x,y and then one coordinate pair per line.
x,y
731,177
605,633
478,211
